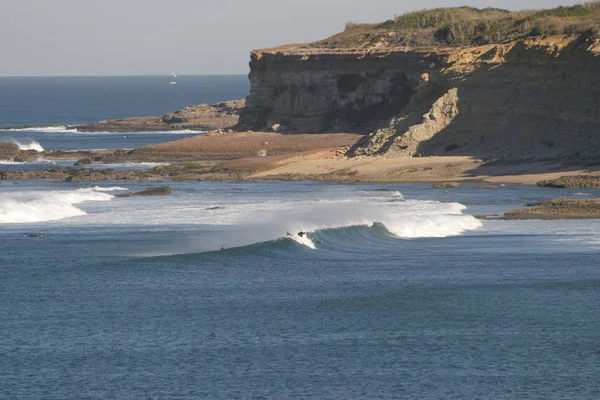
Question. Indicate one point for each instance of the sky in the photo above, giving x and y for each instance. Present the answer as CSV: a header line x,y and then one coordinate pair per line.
x,y
153,37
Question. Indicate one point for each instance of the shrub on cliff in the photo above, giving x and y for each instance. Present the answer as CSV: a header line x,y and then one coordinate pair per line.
x,y
463,26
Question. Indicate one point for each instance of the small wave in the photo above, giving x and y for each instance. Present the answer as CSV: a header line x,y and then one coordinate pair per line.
x,y
39,206
70,129
58,128
9,162
132,133
581,194
128,165
28,144
108,189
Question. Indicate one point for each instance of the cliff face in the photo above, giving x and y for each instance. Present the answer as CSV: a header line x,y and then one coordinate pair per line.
x,y
313,91
526,99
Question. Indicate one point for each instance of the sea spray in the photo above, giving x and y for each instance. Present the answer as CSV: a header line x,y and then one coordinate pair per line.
x,y
28,144
70,129
39,206
253,223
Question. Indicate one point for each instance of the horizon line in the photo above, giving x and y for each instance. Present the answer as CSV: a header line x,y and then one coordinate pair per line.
x,y
113,75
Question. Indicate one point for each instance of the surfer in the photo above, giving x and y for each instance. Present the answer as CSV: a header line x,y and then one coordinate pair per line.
x,y
301,234
222,247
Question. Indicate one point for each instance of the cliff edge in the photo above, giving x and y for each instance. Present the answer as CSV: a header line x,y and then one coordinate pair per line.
x,y
494,84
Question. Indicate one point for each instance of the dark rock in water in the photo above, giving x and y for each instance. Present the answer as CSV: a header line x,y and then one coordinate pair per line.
x,y
69,178
152,191
574,181
83,161
172,118
487,187
215,208
34,235
567,208
446,185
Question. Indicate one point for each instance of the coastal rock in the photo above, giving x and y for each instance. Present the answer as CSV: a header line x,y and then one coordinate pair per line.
x,y
573,181
152,191
523,99
558,209
203,117
446,185
83,161
173,118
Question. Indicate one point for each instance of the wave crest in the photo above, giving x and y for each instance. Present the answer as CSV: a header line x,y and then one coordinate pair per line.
x,y
39,206
28,144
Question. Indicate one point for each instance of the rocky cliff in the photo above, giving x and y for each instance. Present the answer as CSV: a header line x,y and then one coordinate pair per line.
x,y
331,91
530,98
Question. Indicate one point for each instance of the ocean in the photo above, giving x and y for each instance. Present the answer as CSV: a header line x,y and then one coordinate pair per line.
x,y
53,103
396,291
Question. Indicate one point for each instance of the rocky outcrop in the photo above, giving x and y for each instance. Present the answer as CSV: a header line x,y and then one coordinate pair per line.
x,y
446,185
331,91
10,152
529,99
152,191
573,181
557,209
199,117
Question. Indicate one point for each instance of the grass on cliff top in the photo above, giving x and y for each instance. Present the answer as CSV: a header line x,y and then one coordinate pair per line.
x,y
463,26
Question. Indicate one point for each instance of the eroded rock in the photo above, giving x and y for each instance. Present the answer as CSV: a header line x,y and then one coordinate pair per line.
x,y
152,191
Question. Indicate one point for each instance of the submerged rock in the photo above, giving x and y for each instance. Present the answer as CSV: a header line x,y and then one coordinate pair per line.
x,y
558,209
574,181
83,161
446,185
152,191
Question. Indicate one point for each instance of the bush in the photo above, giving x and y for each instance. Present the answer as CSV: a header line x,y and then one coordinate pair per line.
x,y
468,26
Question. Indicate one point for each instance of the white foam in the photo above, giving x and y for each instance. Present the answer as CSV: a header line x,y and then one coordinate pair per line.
x,y
140,165
131,133
10,162
108,189
248,217
38,206
303,240
58,128
28,144
69,129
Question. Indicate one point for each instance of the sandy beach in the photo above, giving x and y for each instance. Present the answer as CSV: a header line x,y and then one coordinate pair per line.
x,y
321,157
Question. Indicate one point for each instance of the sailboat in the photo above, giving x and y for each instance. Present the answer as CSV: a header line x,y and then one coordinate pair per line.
x,y
174,76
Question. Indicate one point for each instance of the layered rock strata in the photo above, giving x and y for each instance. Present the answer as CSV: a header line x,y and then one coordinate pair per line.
x,y
198,117
528,99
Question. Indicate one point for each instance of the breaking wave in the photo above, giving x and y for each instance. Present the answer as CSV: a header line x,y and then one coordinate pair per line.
x,y
59,128
10,162
28,144
108,189
69,129
352,222
38,206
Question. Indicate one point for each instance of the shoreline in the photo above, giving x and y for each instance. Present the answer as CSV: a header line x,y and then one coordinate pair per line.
x,y
247,155
323,164
255,156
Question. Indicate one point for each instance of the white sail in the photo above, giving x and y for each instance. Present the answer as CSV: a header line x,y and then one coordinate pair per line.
x,y
173,73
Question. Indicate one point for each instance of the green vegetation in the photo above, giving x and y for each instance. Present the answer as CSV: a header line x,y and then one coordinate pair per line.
x,y
464,26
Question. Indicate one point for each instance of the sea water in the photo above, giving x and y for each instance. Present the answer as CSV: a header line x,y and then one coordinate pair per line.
x,y
397,291
52,104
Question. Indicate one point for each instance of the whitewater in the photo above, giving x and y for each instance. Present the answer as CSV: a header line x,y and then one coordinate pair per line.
x,y
239,216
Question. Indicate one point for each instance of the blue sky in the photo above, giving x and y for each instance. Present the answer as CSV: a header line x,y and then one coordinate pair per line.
x,y
152,37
